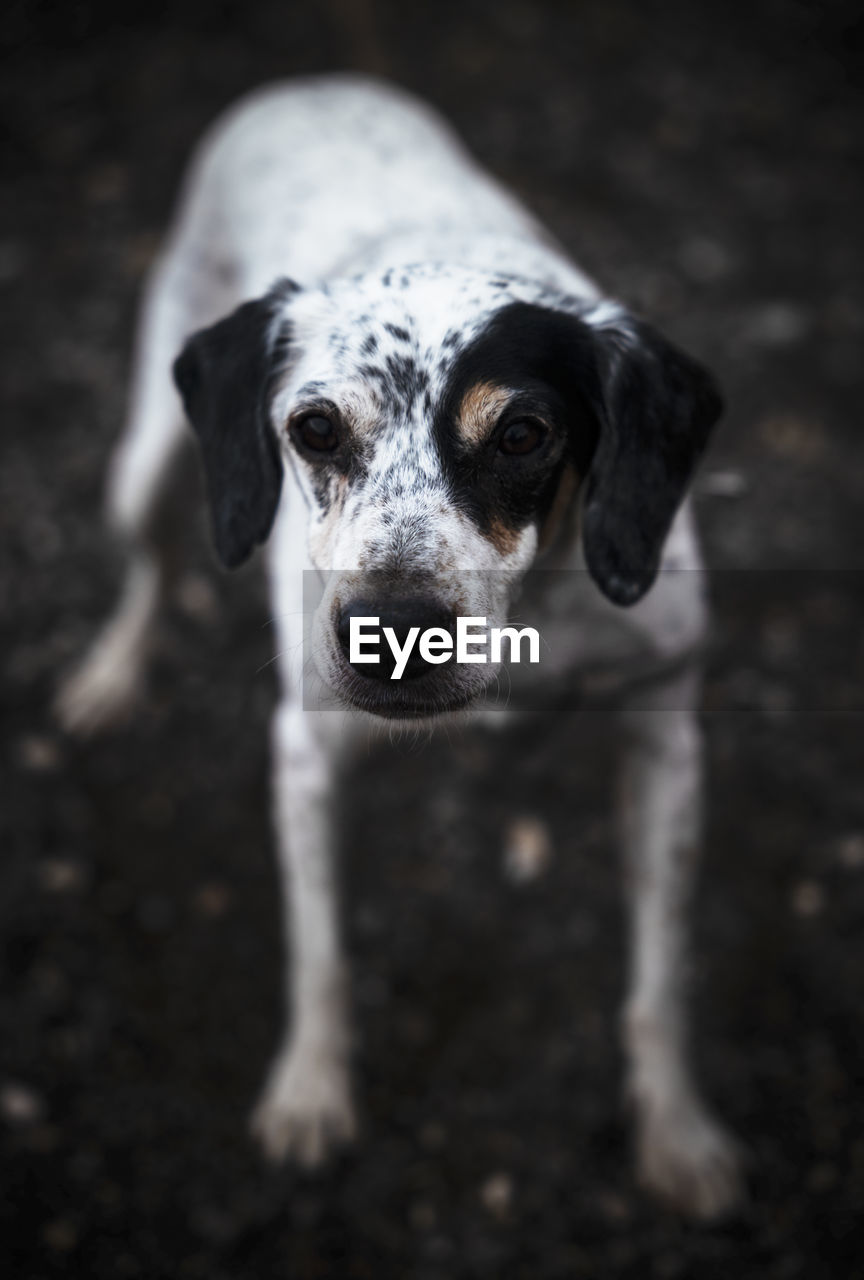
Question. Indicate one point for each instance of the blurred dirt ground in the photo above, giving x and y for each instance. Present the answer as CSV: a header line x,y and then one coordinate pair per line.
x,y
704,161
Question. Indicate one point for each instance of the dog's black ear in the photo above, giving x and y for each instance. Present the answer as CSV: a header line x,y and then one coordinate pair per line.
x,y
656,410
224,375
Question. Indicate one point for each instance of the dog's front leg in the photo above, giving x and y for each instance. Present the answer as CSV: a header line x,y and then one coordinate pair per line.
x,y
683,1154
306,1105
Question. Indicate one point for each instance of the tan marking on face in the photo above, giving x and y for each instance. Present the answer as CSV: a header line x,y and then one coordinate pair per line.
x,y
480,409
503,539
567,486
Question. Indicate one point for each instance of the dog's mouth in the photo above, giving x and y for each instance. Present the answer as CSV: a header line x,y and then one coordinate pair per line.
x,y
426,698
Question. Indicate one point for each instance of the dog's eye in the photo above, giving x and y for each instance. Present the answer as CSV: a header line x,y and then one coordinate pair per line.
x,y
521,437
317,433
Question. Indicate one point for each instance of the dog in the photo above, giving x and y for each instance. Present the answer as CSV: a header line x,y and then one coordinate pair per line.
x,y
402,385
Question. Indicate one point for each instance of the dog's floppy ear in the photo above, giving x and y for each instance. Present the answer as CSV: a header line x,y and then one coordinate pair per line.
x,y
224,375
656,410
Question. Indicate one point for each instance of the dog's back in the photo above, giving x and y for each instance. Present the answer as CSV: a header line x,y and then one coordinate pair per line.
x,y
336,174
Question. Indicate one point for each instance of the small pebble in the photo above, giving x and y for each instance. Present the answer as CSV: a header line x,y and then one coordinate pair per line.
x,y
777,324
423,1215
60,875
496,1195
527,851
19,1104
41,1138
704,259
808,899
61,1235
851,851
432,1136
212,900
793,438
613,1207
13,259
105,184
723,484
822,1177
38,753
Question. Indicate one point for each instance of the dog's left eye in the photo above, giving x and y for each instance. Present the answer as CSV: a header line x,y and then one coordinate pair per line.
x,y
521,437
317,433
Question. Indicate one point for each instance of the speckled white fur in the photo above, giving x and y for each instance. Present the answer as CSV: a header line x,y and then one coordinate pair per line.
x,y
337,182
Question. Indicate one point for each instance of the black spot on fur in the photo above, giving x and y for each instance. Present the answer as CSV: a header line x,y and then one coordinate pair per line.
x,y
406,380
373,373
396,331
628,409
325,486
400,380
369,345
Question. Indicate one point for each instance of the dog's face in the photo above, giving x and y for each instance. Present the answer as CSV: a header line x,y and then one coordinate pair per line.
x,y
439,423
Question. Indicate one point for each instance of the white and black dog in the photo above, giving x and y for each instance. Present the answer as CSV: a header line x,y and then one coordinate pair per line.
x,y
440,399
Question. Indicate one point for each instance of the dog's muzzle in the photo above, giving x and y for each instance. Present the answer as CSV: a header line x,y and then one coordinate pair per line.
x,y
422,689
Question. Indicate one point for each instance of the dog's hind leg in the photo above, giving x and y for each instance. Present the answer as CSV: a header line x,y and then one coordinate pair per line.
x,y
683,1153
103,688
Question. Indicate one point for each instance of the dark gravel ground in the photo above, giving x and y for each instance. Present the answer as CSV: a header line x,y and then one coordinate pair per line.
x,y
705,162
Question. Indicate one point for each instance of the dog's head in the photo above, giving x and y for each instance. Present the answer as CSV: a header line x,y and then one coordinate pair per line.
x,y
439,423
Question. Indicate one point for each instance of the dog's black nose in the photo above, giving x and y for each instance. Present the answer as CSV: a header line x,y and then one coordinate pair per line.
x,y
400,615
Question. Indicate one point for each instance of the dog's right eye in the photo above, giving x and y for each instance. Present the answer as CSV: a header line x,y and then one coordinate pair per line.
x,y
317,433
524,436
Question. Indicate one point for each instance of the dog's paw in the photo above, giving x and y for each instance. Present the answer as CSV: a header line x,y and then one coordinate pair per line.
x,y
100,694
306,1109
687,1159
